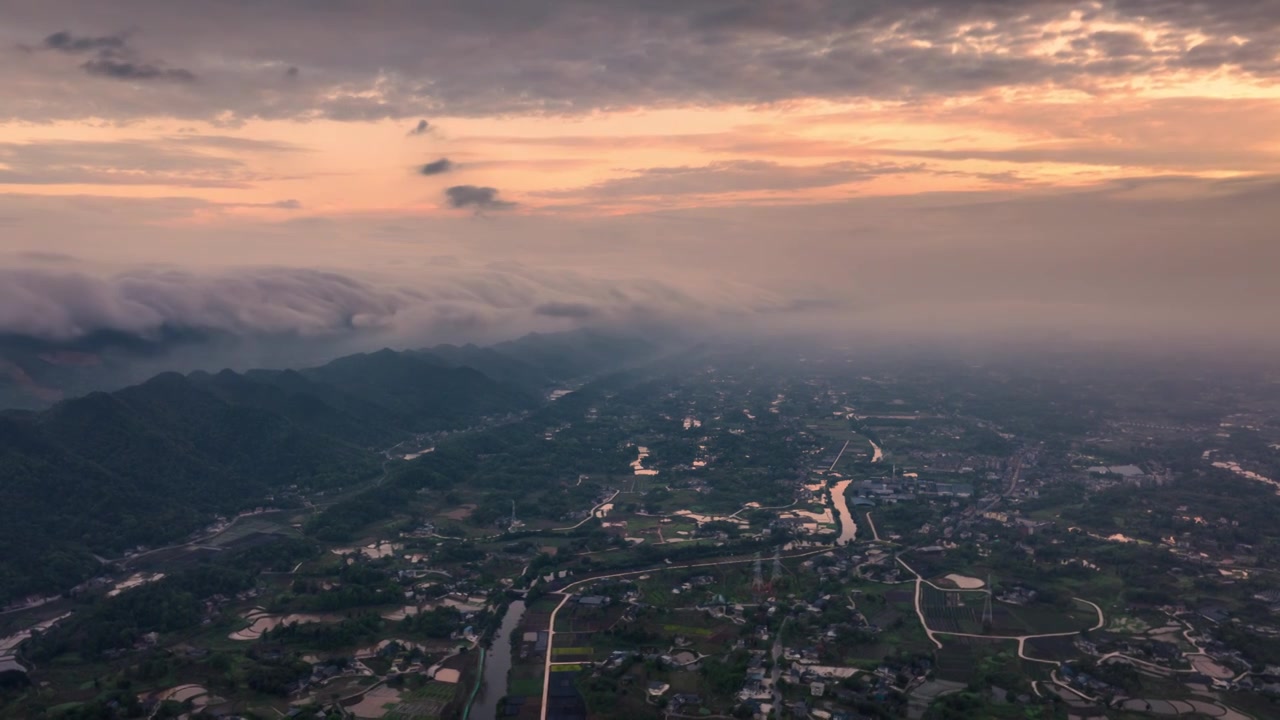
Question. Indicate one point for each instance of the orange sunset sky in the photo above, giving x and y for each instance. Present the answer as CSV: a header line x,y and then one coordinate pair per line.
x,y
474,169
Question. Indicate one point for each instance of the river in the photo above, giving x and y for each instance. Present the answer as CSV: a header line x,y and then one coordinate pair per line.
x,y
497,663
848,528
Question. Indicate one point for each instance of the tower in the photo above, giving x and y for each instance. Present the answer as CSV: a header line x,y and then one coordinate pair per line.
x,y
987,619
774,574
757,579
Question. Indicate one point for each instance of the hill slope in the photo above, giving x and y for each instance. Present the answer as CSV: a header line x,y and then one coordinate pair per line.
x,y
151,463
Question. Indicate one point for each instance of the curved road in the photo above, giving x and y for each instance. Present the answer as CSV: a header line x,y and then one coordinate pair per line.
x,y
591,515
551,626
1022,639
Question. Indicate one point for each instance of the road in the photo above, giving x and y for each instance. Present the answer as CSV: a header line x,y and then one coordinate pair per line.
x,y
920,582
1014,472
875,534
839,455
590,515
744,508
920,611
777,670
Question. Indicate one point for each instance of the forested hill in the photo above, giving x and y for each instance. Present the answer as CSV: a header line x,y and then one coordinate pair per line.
x,y
150,464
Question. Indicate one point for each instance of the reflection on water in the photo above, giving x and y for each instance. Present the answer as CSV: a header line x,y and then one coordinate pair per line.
x,y
848,528
262,621
497,664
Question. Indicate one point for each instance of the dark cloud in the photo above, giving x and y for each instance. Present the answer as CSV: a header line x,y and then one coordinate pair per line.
x,y
422,128
115,59
572,310
64,41
128,70
291,72
54,308
473,196
67,306
479,57
437,167
96,341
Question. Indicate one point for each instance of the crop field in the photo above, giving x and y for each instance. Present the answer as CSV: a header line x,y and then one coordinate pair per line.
x,y
571,653
959,656
425,703
961,611
1056,648
689,630
588,621
954,610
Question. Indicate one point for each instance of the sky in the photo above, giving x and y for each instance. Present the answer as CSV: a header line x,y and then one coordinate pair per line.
x,y
357,173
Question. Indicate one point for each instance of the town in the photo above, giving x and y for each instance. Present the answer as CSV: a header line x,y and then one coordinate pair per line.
x,y
718,538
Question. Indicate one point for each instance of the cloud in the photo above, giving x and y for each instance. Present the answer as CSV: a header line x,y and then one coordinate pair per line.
x,y
572,310
480,198
437,167
66,306
233,143
41,256
64,41
732,176
115,59
128,70
1145,259
571,57
289,204
47,308
171,162
1084,153
422,128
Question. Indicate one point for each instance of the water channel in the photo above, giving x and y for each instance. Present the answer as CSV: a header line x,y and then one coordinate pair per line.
x,y
497,663
848,528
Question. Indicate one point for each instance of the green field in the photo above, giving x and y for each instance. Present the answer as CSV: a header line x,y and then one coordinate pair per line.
x,y
687,630
425,703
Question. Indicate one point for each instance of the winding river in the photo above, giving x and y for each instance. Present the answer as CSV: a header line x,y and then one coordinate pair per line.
x,y
848,528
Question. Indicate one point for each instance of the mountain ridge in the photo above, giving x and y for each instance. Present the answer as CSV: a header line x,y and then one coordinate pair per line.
x,y
153,462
